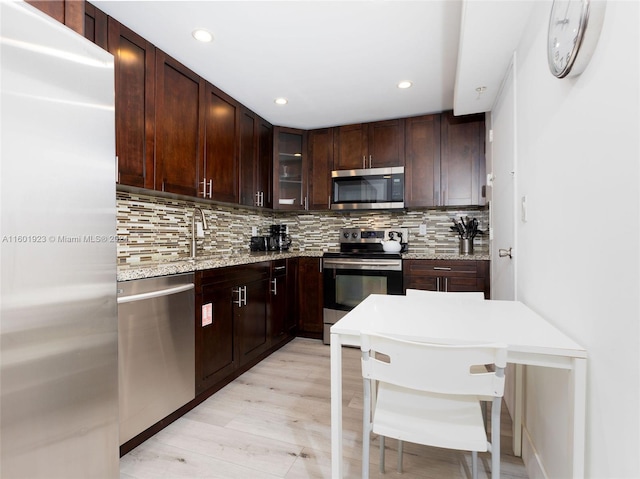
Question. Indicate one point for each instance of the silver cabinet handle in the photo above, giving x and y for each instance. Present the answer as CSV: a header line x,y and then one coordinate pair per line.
x,y
329,201
242,296
446,284
364,161
441,268
438,283
204,188
155,294
210,189
239,300
274,290
279,268
370,161
117,169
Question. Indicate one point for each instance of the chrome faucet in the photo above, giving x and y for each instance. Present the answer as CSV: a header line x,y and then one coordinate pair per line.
x,y
194,234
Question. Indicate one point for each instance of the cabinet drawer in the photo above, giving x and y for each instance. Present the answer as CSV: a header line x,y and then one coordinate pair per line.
x,y
233,275
278,268
440,267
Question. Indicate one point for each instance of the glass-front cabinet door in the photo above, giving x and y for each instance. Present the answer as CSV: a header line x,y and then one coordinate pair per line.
x,y
289,162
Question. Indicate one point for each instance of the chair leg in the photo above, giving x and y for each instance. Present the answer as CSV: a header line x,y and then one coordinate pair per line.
x,y
474,464
400,454
495,438
366,428
381,454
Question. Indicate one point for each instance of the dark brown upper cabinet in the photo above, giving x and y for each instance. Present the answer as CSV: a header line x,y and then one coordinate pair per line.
x,y
67,12
462,165
95,25
179,122
422,166
264,178
256,160
134,105
219,180
289,168
369,145
445,161
320,167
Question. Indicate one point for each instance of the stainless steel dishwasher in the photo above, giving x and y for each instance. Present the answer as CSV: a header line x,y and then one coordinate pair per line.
x,y
155,350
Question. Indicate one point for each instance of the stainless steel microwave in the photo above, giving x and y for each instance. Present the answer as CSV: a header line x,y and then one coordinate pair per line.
x,y
367,189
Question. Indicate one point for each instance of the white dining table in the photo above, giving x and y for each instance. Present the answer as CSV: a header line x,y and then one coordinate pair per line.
x,y
531,340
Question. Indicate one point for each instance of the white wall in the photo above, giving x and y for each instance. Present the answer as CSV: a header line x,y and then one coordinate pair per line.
x,y
578,164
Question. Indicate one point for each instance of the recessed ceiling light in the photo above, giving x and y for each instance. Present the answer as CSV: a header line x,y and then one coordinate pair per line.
x,y
202,35
281,101
404,84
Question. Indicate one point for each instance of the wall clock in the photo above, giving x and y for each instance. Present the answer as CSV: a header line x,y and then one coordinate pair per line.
x,y
574,28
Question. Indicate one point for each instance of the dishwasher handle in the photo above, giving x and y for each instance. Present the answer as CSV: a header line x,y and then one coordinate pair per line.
x,y
156,294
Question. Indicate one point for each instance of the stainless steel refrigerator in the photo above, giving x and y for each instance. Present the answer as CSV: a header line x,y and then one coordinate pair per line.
x,y
58,313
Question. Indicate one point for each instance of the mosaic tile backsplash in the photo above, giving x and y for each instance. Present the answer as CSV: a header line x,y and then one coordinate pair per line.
x,y
154,229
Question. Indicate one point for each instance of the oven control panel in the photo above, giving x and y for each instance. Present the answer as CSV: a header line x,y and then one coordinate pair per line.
x,y
362,235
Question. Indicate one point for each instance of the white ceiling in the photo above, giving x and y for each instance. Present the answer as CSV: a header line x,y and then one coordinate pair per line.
x,y
337,62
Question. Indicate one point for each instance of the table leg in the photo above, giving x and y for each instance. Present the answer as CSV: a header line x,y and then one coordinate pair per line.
x,y
518,410
336,407
578,392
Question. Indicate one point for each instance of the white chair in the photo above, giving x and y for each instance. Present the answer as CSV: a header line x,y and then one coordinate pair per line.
x,y
447,294
429,394
452,295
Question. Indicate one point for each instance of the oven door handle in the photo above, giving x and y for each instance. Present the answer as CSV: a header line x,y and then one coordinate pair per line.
x,y
356,264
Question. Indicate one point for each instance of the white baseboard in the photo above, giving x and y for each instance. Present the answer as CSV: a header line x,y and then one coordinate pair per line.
x,y
533,464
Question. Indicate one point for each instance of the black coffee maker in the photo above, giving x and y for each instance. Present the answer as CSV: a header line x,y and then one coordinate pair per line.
x,y
280,240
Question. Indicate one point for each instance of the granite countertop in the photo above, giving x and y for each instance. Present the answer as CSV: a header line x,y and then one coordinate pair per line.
x,y
133,271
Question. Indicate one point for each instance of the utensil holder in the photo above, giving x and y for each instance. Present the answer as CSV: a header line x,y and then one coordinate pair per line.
x,y
466,246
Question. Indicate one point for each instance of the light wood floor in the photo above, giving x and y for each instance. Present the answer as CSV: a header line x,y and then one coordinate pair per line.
x,y
274,422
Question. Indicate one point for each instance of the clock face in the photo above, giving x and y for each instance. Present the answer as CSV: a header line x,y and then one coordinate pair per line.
x,y
567,24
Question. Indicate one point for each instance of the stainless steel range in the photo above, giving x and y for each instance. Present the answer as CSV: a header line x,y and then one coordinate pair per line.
x,y
362,267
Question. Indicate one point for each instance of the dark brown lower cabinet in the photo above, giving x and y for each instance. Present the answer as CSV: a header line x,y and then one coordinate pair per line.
x,y
447,275
279,301
231,326
310,297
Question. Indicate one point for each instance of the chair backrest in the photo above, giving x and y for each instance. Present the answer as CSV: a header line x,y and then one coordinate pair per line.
x,y
446,295
440,368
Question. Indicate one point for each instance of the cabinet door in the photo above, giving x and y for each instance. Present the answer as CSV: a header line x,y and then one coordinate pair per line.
x,y
252,329
320,167
278,308
214,342
219,180
248,149
67,12
256,160
264,171
95,25
422,161
291,311
289,168
310,298
462,160
134,104
349,148
179,126
385,141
